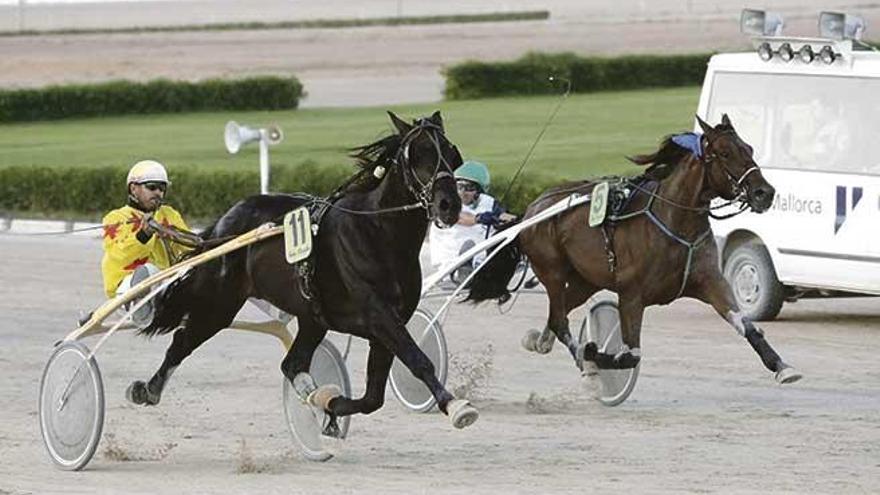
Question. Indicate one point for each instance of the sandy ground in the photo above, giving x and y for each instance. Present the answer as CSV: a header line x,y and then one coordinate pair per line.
x,y
369,66
705,416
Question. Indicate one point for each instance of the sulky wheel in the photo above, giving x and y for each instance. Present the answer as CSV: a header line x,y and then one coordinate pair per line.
x,y
602,326
71,406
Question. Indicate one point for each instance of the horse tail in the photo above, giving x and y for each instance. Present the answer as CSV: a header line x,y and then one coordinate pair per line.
x,y
170,306
493,276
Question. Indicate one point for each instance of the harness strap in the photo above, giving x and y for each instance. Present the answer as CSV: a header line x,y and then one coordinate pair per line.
x,y
691,246
648,212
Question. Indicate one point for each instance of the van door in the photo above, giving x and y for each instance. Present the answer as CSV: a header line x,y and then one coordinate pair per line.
x,y
817,139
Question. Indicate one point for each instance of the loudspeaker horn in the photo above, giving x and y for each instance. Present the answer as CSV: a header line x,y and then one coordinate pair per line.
x,y
235,136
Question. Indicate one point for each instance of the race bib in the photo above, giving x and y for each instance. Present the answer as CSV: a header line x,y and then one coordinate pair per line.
x,y
598,204
297,235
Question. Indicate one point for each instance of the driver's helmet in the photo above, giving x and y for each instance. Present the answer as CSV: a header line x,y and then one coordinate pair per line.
x,y
147,171
475,172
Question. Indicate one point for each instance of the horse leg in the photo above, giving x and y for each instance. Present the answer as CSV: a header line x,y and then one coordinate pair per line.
x,y
295,367
460,411
389,330
719,295
201,326
563,297
631,312
378,367
298,360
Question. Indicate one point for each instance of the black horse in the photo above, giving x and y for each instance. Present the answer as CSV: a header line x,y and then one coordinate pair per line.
x,y
365,276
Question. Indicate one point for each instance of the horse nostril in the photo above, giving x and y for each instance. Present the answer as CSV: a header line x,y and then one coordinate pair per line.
x,y
444,205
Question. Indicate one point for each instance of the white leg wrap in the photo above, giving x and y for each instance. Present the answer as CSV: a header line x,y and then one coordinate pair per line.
x,y
737,320
321,397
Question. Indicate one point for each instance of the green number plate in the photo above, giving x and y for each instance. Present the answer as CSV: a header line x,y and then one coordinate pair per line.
x,y
598,204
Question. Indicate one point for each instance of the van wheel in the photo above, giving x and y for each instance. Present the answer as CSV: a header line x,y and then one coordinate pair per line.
x,y
750,273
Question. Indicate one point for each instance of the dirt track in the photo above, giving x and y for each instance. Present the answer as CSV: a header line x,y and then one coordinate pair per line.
x,y
705,416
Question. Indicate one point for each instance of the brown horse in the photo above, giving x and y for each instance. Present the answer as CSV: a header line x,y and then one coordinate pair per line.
x,y
655,246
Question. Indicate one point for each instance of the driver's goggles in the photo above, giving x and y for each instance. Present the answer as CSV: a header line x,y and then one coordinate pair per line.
x,y
467,186
155,186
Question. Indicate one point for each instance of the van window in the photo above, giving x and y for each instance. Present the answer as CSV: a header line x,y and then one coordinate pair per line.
x,y
803,122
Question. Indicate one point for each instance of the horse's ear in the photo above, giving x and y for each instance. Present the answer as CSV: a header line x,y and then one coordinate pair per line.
x,y
401,126
725,121
703,125
436,119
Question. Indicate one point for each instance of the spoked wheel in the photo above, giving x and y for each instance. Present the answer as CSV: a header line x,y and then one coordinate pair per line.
x,y
602,326
71,406
307,423
409,390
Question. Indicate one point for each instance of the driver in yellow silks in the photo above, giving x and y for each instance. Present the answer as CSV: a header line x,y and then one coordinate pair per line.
x,y
130,242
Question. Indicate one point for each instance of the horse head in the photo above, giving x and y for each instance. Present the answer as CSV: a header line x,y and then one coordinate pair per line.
x,y
428,160
731,170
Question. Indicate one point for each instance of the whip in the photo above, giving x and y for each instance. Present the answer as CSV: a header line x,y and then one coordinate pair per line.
x,y
540,134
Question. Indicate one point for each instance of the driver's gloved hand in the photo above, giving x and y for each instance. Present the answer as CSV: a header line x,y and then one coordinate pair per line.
x,y
147,228
488,218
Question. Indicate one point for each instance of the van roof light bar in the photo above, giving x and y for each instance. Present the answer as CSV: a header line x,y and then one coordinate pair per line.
x,y
761,23
840,26
803,50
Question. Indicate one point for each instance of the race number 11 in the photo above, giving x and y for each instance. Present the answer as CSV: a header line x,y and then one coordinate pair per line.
x,y
297,235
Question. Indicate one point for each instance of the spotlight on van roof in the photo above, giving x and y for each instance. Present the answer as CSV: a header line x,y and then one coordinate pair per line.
x,y
840,26
806,54
827,54
785,52
765,52
760,23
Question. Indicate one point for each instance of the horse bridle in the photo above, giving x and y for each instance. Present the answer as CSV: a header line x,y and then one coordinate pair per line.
x,y
739,189
423,191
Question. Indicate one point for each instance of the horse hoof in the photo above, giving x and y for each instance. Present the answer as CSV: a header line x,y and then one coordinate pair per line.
x,y
530,340
321,397
534,341
137,393
787,375
589,369
462,413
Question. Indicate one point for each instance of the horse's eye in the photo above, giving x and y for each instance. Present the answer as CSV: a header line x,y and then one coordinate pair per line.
x,y
725,154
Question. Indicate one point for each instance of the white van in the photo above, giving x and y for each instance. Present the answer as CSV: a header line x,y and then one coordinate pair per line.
x,y
813,117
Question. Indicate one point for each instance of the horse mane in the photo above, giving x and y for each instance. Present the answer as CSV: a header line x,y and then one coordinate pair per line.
x,y
369,156
663,161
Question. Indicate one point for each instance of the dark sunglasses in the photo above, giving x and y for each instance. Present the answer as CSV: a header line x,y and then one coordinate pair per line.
x,y
155,186
467,187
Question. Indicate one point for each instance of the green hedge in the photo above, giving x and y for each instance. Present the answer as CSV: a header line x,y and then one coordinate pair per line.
x,y
159,96
529,74
198,193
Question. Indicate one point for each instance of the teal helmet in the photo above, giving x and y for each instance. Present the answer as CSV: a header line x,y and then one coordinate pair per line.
x,y
476,172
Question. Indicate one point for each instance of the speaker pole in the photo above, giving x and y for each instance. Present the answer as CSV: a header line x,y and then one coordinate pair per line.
x,y
264,162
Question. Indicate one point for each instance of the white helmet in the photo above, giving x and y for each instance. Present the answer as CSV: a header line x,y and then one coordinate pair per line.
x,y
147,171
